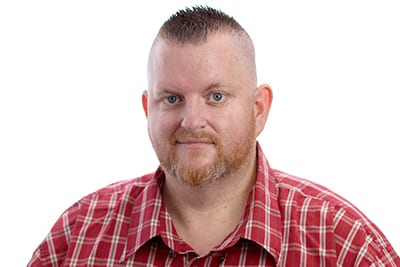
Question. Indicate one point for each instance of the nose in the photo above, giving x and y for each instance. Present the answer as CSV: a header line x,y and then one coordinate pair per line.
x,y
193,117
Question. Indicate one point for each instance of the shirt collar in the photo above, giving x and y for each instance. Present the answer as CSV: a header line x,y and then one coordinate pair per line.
x,y
262,219
263,222
145,219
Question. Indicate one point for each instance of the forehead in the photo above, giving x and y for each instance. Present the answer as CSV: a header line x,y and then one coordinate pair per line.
x,y
219,59
222,45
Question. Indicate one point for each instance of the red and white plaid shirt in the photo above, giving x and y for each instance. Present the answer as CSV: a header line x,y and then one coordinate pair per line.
x,y
287,222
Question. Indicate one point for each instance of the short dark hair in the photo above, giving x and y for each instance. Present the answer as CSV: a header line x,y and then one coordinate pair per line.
x,y
194,24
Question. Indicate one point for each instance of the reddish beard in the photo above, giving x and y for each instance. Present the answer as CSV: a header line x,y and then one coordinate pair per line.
x,y
229,158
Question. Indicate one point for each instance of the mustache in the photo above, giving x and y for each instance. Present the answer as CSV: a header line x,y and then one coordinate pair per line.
x,y
182,134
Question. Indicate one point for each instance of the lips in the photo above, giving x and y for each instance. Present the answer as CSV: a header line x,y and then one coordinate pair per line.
x,y
183,137
194,141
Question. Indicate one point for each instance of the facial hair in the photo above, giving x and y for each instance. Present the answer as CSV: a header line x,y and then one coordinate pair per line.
x,y
230,157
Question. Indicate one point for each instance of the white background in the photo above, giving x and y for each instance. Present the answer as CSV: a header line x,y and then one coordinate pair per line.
x,y
72,74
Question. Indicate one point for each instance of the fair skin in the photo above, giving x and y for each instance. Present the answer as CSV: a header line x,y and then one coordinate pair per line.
x,y
205,88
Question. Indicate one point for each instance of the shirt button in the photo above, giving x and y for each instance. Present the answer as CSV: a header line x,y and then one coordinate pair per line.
x,y
222,258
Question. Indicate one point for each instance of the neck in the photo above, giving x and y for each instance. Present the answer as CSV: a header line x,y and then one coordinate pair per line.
x,y
204,215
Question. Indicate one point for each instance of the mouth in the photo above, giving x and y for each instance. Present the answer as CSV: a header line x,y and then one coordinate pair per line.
x,y
194,142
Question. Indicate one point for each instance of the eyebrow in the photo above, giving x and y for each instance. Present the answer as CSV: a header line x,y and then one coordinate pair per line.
x,y
212,86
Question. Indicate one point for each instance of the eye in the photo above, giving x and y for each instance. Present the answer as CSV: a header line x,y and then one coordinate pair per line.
x,y
172,99
217,97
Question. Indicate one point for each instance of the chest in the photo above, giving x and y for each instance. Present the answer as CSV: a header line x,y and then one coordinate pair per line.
x,y
156,253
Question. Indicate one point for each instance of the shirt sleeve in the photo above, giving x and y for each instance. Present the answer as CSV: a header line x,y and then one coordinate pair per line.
x,y
360,243
53,249
375,254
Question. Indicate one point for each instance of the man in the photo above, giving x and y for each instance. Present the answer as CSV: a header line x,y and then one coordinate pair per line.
x,y
214,200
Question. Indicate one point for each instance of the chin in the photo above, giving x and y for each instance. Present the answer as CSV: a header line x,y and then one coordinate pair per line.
x,y
198,176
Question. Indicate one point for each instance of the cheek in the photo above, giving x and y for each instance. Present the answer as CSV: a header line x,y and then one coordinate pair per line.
x,y
161,127
230,125
241,126
237,118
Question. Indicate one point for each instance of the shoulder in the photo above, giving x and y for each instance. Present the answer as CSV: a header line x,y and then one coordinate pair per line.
x,y
301,188
304,195
95,213
131,187
309,207
108,199
118,197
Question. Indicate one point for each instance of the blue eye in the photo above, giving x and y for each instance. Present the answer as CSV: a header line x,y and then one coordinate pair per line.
x,y
217,97
172,99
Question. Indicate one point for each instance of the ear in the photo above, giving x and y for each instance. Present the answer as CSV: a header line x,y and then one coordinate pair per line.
x,y
145,103
263,101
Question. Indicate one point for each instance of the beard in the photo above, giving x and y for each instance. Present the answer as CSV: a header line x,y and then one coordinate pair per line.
x,y
229,158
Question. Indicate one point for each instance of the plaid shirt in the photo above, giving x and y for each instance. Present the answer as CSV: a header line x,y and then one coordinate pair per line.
x,y
288,221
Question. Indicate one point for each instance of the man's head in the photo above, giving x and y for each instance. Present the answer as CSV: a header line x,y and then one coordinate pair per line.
x,y
195,25
203,105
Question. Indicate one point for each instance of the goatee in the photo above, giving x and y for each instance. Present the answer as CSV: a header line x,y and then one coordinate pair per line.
x,y
230,158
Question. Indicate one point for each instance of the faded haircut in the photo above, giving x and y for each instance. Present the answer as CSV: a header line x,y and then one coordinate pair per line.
x,y
194,24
